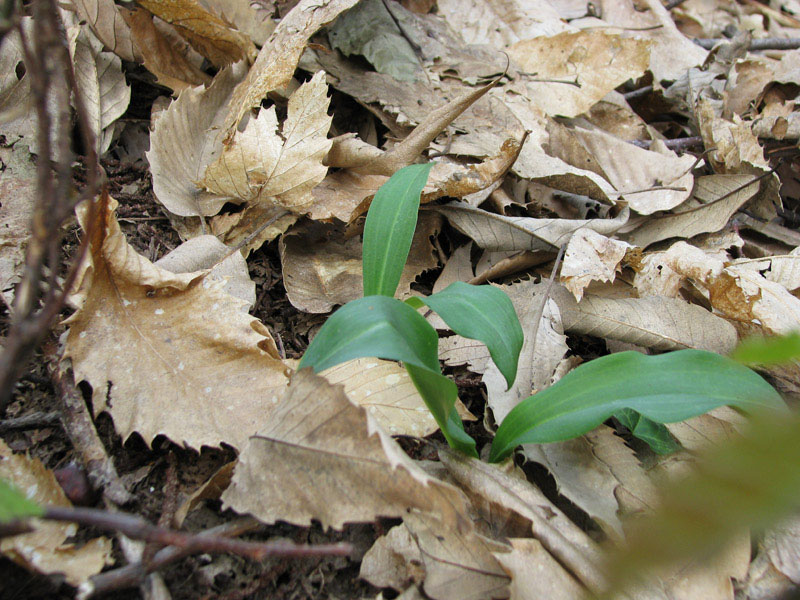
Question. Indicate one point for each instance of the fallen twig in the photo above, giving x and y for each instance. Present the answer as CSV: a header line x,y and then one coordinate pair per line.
x,y
37,420
757,44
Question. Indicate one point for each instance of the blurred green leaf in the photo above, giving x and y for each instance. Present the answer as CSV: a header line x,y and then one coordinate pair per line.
x,y
768,351
14,505
482,313
389,229
666,388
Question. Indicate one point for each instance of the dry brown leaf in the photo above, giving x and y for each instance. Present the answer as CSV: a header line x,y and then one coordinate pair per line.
x,y
718,426
714,201
251,18
278,58
775,572
384,388
341,194
456,350
596,61
169,354
736,148
108,22
210,35
104,91
590,257
264,165
784,270
394,561
535,575
323,457
18,192
17,109
457,268
185,141
46,549
322,269
238,227
162,54
498,232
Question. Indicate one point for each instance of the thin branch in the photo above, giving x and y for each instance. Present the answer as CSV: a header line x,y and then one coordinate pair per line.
x,y
37,420
757,44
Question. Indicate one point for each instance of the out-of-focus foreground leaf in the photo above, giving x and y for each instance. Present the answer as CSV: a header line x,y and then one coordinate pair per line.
x,y
751,481
768,351
14,505
666,388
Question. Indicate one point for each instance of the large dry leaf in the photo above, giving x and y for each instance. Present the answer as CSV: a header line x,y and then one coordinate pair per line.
x,y
104,91
341,193
784,270
185,141
169,354
46,549
18,193
279,56
498,23
594,62
108,22
322,269
251,18
208,34
266,166
714,201
536,575
384,388
323,457
590,257
498,232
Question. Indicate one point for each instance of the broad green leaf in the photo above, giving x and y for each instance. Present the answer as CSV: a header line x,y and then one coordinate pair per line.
x,y
768,351
387,328
666,388
389,228
749,481
484,313
654,434
14,505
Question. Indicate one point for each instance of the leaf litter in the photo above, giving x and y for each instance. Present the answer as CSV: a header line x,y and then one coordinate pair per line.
x,y
665,172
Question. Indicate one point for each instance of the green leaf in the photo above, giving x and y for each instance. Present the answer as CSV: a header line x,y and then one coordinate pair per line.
x,y
768,351
666,388
484,313
389,228
654,434
387,328
14,505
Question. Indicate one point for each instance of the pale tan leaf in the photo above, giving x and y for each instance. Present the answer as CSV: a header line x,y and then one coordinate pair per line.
x,y
263,165
211,489
535,575
210,35
46,549
498,232
17,109
654,277
384,388
394,560
18,192
102,84
714,201
323,457
185,141
590,257
251,18
108,22
341,193
659,323
720,425
207,252
784,269
648,180
596,60
456,350
736,148
457,268
279,56
498,23
169,354
775,571
162,54
238,227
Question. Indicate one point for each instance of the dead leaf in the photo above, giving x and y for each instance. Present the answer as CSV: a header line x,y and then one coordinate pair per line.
x,y
18,191
169,354
108,22
590,257
323,457
254,19
535,575
46,549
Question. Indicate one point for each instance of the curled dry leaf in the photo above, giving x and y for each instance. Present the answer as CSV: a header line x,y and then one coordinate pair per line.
x,y
384,388
594,62
169,354
46,549
590,257
323,457
109,23
262,165
185,141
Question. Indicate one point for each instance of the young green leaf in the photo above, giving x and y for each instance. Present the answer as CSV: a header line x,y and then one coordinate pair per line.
x,y
484,313
14,505
768,351
387,328
666,388
654,434
389,228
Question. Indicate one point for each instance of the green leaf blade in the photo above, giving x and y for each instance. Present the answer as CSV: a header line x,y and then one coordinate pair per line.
x,y
768,351
655,434
389,229
666,388
14,505
483,313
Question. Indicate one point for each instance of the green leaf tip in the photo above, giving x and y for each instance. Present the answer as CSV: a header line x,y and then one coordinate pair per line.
x,y
14,505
